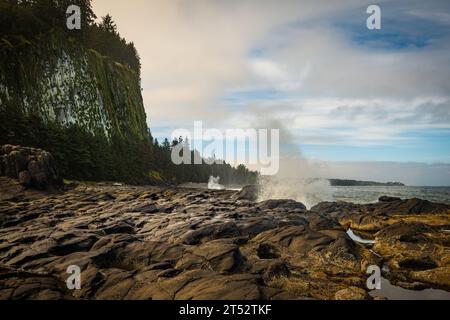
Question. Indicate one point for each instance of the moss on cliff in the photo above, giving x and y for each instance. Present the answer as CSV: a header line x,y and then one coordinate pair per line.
x,y
59,80
85,108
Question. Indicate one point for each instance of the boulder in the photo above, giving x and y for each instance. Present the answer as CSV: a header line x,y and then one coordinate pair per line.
x,y
388,199
249,193
281,204
25,178
34,168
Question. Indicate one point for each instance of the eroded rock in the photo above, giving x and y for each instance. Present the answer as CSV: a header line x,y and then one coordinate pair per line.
x,y
164,243
31,167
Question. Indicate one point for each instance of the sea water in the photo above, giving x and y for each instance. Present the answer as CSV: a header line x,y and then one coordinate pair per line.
x,y
370,194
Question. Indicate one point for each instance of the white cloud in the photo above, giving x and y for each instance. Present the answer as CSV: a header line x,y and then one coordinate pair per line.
x,y
330,89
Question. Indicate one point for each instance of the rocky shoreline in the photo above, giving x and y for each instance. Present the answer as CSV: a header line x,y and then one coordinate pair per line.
x,y
177,243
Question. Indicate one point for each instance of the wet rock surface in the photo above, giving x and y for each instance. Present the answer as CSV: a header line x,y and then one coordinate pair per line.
x,y
169,243
412,237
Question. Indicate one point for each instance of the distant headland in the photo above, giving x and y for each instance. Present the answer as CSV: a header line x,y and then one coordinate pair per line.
x,y
342,182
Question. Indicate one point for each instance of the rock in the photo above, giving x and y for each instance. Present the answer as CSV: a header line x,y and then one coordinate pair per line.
x,y
377,216
405,232
144,242
337,209
149,208
2,165
10,166
319,222
388,199
17,284
169,273
249,193
281,204
416,206
116,286
198,285
418,263
256,225
297,239
219,255
121,227
160,266
415,252
276,269
32,167
20,159
25,178
267,251
439,277
214,287
225,230
138,255
351,293
38,175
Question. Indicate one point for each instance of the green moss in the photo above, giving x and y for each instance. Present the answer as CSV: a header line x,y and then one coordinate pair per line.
x,y
59,80
83,107
156,176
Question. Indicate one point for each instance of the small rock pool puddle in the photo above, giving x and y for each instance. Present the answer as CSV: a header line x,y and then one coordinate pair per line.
x,y
357,238
391,292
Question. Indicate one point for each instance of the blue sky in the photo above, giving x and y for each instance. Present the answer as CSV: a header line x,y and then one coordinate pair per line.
x,y
407,25
341,92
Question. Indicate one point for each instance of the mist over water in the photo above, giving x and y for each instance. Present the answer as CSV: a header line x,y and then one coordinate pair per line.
x,y
295,181
214,183
297,178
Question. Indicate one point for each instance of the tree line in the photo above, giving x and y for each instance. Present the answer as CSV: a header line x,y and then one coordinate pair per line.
x,y
30,19
81,155
199,173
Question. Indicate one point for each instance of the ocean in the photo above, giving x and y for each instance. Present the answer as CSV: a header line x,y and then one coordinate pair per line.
x,y
312,194
370,194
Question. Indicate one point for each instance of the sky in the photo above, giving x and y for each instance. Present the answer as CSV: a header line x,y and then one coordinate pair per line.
x,y
367,104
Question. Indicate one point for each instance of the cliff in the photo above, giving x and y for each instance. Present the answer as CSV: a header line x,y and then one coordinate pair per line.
x,y
340,182
85,108
58,80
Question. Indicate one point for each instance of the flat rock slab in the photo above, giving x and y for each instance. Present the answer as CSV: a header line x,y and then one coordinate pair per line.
x,y
177,243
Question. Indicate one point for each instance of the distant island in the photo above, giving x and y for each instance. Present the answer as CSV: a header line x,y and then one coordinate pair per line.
x,y
341,182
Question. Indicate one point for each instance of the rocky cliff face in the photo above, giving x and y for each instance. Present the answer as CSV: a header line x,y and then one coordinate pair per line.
x,y
58,80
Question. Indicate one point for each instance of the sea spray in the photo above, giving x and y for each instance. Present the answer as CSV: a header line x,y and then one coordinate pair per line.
x,y
214,183
307,191
298,178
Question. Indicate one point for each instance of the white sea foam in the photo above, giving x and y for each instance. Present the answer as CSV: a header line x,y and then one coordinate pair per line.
x,y
214,183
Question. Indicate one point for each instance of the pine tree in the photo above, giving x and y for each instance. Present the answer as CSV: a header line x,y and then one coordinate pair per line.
x,y
108,24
